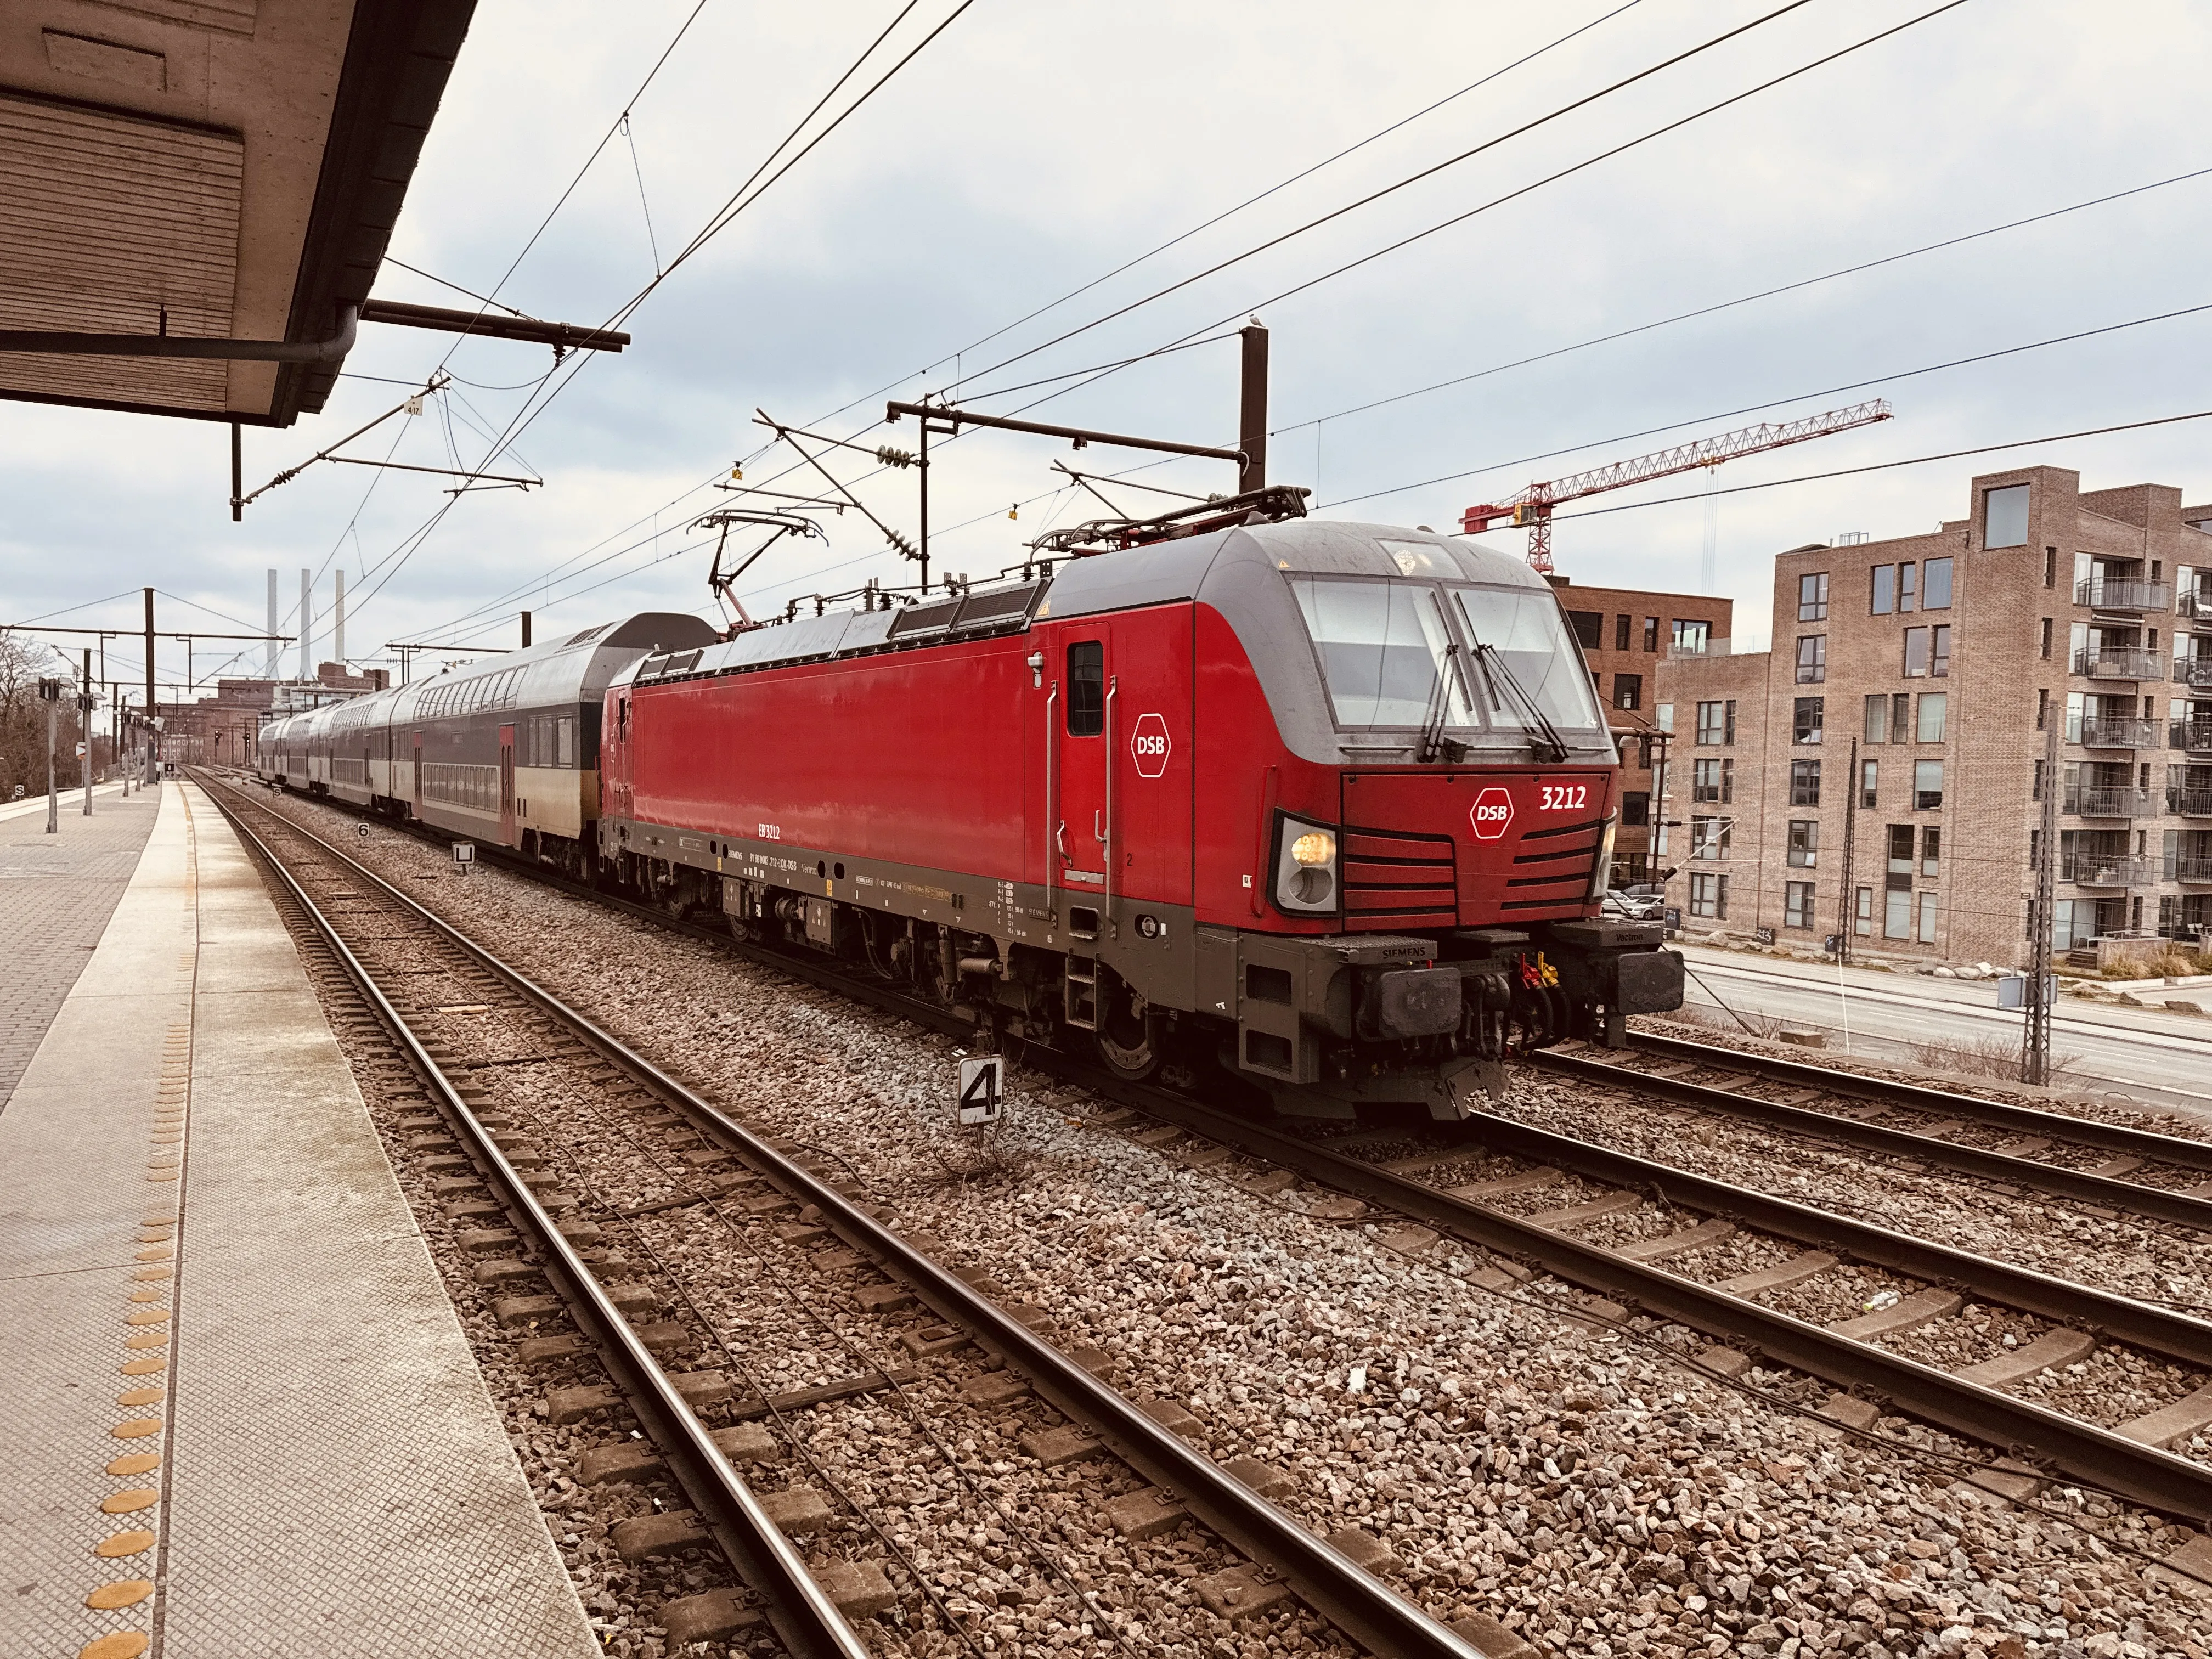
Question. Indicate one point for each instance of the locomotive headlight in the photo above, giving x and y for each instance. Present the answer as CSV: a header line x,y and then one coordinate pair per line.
x,y
1305,869
1601,876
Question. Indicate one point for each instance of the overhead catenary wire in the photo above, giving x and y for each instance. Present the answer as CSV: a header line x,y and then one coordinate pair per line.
x,y
1517,193
1741,300
1772,403
1218,218
1412,178
755,187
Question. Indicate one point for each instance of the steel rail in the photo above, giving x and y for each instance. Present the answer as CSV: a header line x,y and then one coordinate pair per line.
x,y
2096,1456
797,1609
1360,1605
2154,1201
2029,1120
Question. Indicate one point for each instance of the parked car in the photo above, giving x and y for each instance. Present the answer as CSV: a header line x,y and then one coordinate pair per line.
x,y
1632,904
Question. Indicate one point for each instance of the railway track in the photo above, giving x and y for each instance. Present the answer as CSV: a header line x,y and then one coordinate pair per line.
x,y
2030,1443
707,1163
2117,1169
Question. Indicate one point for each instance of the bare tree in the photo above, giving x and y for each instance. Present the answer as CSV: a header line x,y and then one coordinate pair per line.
x,y
23,663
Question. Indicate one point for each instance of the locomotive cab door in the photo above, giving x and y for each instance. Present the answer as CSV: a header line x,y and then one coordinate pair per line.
x,y
1077,668
506,785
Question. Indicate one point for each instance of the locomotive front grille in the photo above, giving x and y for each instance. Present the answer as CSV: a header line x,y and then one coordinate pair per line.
x,y
1555,867
1394,880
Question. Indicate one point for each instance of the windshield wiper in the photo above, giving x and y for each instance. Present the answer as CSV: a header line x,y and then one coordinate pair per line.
x,y
1434,745
1545,744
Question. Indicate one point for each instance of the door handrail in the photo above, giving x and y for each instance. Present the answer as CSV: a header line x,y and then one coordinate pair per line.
x,y
1052,824
1113,690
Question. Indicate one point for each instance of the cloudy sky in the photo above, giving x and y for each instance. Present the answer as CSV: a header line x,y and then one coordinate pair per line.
x,y
1029,151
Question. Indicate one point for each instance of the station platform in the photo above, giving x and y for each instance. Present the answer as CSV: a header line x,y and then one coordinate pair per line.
x,y
243,1417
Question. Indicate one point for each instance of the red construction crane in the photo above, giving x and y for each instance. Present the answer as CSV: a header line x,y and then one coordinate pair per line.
x,y
1532,507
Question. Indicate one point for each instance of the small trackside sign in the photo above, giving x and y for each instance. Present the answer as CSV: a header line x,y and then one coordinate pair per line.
x,y
983,1089
1492,813
1149,745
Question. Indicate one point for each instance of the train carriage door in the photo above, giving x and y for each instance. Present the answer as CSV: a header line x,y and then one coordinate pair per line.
x,y
506,785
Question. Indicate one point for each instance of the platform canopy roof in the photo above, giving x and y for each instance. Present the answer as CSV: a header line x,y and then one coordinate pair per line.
x,y
229,169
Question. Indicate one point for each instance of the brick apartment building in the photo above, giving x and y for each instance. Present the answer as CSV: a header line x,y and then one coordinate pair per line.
x,y
1944,657
1624,634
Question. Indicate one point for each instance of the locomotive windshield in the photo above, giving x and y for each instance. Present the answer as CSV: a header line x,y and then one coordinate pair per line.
x,y
1523,626
1383,645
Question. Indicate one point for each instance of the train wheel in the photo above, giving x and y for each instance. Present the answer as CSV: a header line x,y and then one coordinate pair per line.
x,y
1130,1035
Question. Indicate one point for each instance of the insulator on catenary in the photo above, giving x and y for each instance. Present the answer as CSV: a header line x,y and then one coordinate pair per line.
x,y
902,544
890,457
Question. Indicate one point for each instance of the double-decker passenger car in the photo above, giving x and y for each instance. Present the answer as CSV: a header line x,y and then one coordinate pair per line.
x,y
504,752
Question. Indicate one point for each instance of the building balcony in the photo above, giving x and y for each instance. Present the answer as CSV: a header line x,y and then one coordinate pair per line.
x,y
2096,802
2196,871
2196,602
2120,663
2193,670
2190,803
2194,735
2123,593
2090,870
2118,731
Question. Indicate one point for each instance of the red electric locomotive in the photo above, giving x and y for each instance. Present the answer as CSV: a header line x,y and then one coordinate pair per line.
x,y
1328,804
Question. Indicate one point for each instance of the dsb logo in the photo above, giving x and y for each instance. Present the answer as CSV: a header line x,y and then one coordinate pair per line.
x,y
1149,746
1492,813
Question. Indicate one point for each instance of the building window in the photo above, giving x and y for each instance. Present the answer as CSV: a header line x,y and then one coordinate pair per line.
x,y
1713,726
1663,716
1806,720
1939,664
1635,808
1652,633
2061,924
2051,567
1904,573
1915,653
2045,643
1868,777
1628,691
1931,851
1877,716
1692,637
1897,914
1927,918
1927,786
1900,717
1705,782
1804,843
1813,596
1935,588
2004,517
1797,904
2042,705
1900,856
1933,705
1709,838
1805,782
1881,597
1709,896
1862,912
1590,628
1812,658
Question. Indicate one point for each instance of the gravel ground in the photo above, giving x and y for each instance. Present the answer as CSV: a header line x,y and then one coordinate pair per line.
x,y
1559,1476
